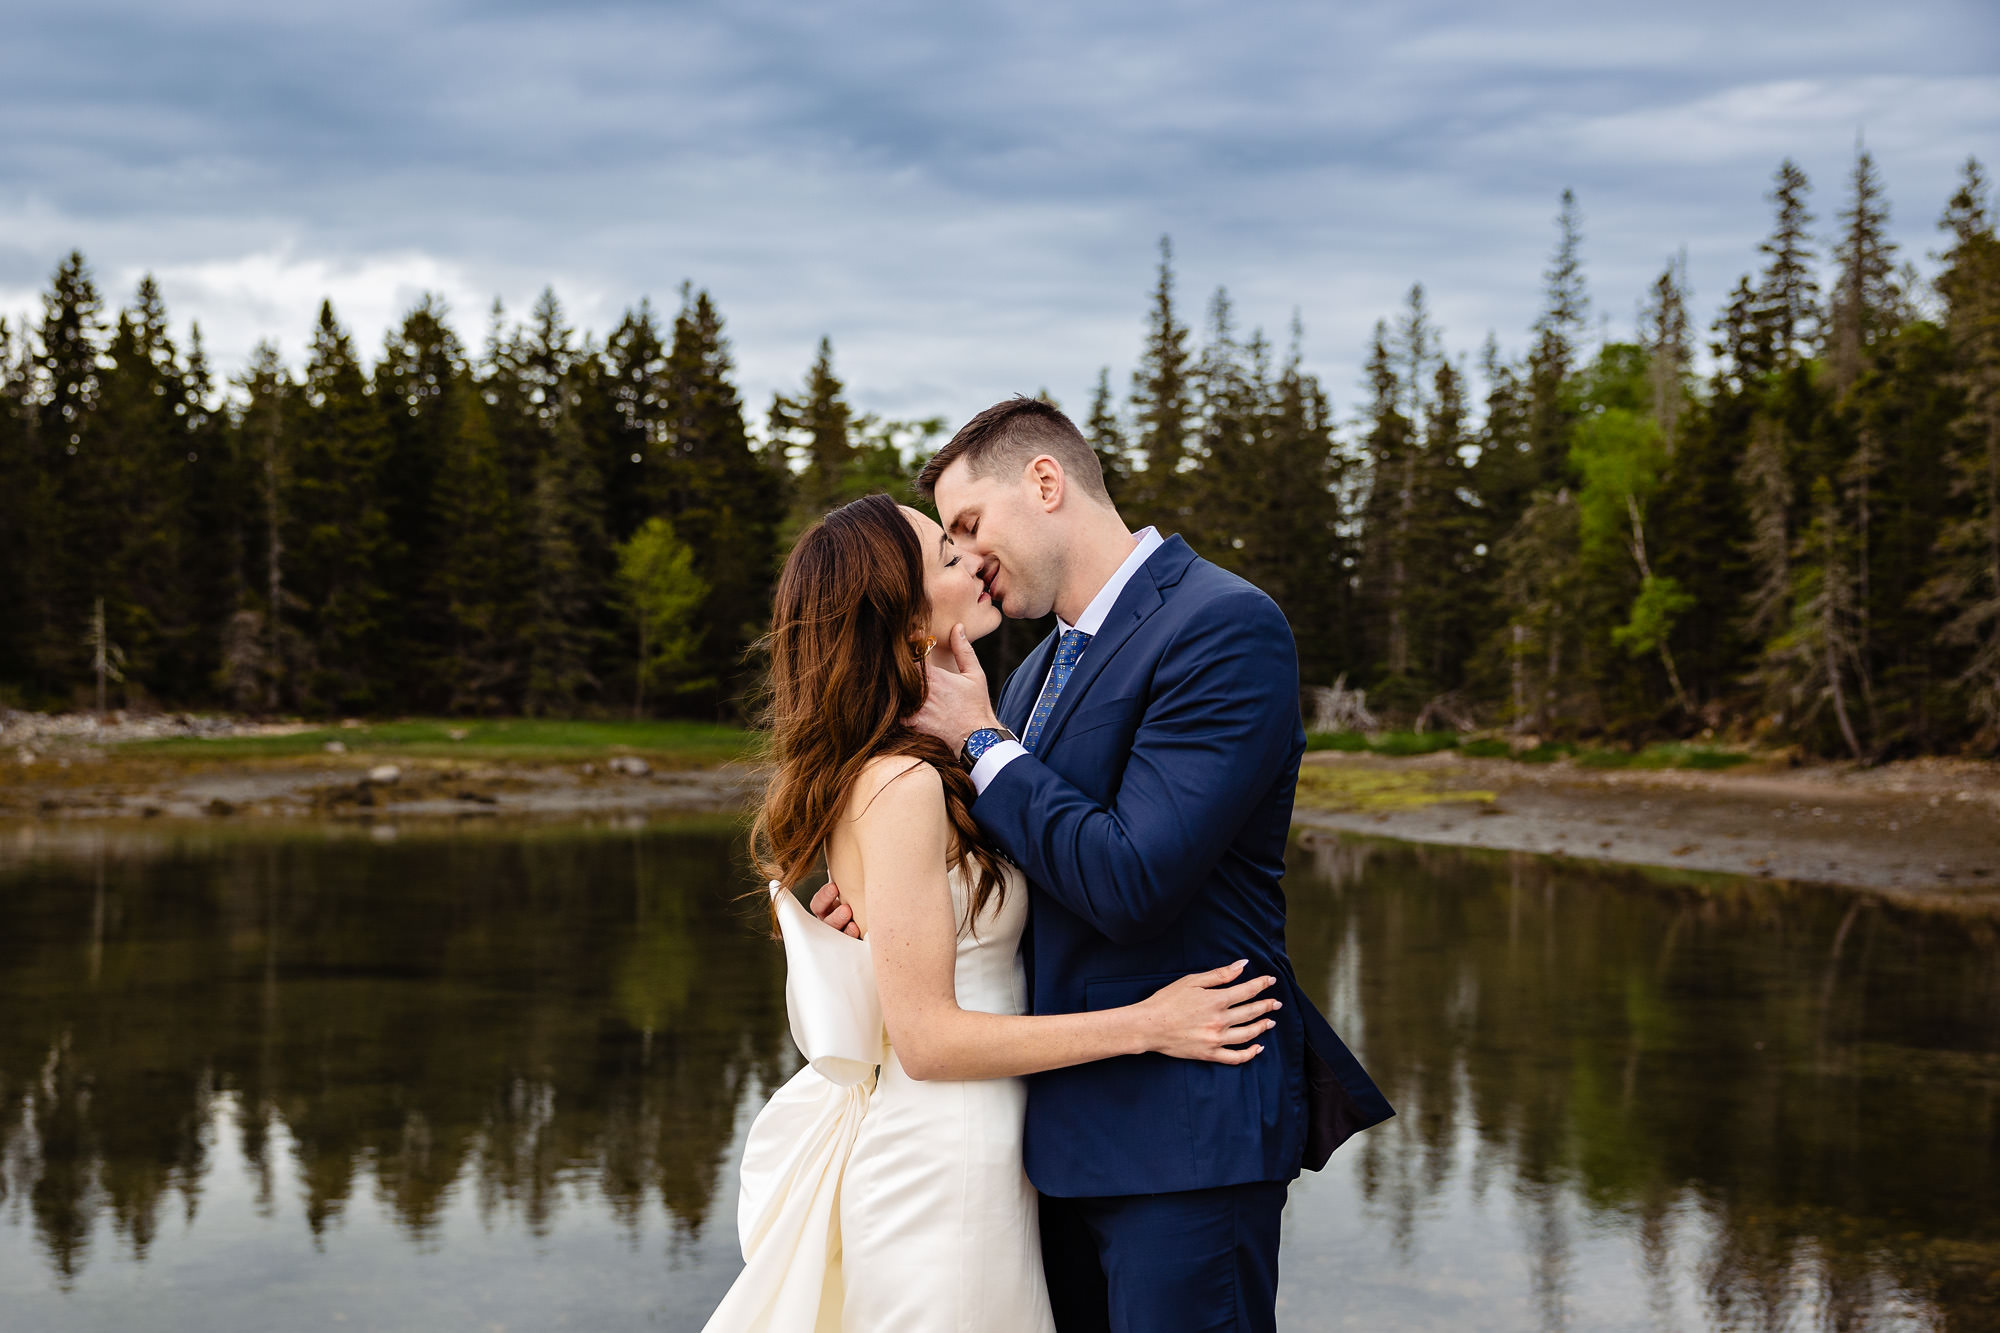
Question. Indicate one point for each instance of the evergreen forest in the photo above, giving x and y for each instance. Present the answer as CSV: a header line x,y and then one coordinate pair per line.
x,y
1775,520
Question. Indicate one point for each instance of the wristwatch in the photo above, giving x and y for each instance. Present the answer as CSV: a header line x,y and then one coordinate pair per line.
x,y
982,740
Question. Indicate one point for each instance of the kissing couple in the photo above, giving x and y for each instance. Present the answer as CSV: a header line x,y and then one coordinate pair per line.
x,y
1059,1071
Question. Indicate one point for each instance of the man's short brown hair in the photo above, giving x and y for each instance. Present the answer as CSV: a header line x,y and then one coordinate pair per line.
x,y
1012,434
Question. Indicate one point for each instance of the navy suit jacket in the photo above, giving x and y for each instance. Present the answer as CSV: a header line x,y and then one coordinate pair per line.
x,y
1151,823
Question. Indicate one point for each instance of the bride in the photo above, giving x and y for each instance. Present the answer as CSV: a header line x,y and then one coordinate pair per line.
x,y
882,1188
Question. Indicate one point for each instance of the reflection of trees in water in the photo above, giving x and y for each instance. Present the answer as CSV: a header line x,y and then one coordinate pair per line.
x,y
1800,1084
521,1016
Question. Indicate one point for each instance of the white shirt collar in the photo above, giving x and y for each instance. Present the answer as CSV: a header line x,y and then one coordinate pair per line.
x,y
1093,617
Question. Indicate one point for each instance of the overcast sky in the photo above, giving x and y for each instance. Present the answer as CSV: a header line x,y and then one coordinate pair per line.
x,y
965,197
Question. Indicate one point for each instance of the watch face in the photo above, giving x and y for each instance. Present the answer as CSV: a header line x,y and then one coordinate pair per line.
x,y
980,741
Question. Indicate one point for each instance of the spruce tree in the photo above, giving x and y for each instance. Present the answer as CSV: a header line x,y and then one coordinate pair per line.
x,y
218,519
525,373
1664,334
473,584
635,378
546,353
1815,668
1541,584
1413,352
1502,477
1865,304
342,562
1107,438
1385,435
1417,352
1418,533
817,429
1788,293
1390,441
1454,610
1288,513
1966,585
1231,385
140,450
723,499
417,383
1742,342
1896,489
1163,408
1764,477
1701,529
261,641
71,341
565,530
1504,474
21,478
76,510
506,381
1559,332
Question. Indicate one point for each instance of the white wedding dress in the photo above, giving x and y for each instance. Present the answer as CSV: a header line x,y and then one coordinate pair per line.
x,y
874,1203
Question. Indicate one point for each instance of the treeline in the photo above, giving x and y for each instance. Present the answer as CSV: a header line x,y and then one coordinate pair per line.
x,y
1795,537
1799,542
550,526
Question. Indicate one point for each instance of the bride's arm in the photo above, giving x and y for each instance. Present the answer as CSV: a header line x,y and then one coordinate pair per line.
x,y
913,935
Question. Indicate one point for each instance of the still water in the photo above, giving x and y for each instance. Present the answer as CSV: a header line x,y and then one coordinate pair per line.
x,y
496,1079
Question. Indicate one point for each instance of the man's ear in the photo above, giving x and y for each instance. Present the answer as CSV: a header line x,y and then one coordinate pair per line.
x,y
1047,475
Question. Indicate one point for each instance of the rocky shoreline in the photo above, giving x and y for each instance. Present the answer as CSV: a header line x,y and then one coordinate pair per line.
x,y
409,789
1927,828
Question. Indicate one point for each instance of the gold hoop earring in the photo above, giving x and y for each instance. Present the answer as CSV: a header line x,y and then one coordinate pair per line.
x,y
918,652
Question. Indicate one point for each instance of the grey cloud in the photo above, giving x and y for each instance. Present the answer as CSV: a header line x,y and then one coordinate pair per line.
x,y
965,197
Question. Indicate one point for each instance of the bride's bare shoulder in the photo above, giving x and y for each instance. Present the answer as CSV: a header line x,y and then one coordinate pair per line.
x,y
897,783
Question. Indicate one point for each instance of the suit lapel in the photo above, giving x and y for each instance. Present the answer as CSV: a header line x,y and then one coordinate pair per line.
x,y
1140,598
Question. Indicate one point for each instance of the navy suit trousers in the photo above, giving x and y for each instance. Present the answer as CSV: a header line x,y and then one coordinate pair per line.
x,y
1197,1261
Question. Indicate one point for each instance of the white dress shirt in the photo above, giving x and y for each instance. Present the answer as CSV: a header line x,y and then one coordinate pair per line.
x,y
1090,622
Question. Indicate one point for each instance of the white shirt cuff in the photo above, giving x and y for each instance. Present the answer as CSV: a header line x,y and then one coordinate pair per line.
x,y
997,757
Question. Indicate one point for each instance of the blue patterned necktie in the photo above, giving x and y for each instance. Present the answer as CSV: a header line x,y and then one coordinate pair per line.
x,y
1071,647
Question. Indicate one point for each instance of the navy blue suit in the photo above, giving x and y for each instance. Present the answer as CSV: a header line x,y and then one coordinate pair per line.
x,y
1151,822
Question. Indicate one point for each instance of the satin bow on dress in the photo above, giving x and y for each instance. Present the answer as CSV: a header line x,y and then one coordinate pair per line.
x,y
873,1202
788,1206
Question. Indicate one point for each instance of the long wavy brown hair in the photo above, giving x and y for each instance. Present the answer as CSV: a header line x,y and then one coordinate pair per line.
x,y
844,675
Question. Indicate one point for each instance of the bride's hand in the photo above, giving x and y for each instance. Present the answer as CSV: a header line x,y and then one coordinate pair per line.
x,y
1205,1017
828,907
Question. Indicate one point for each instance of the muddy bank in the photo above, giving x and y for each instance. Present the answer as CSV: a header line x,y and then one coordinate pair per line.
x,y
1929,827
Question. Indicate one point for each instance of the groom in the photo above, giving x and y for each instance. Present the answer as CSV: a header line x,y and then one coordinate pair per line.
x,y
1140,770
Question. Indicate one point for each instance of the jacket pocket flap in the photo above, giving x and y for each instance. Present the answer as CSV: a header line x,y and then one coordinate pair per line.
x,y
1112,992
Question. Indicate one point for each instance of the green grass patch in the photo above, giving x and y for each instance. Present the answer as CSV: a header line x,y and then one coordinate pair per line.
x,y
1401,744
1660,755
1395,744
1680,754
1546,753
1339,787
682,743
